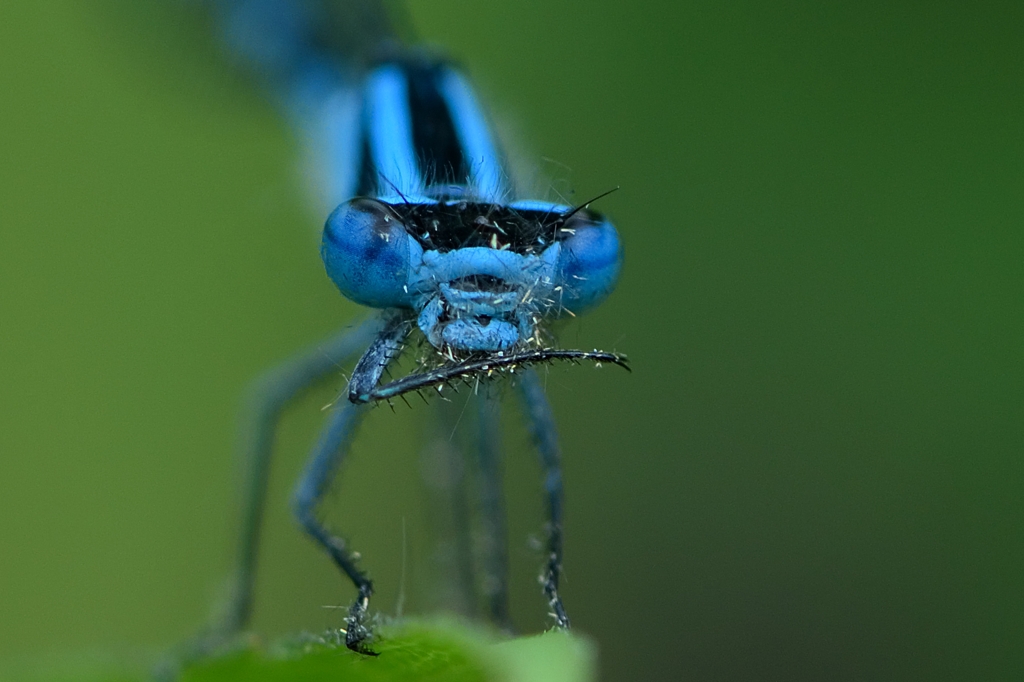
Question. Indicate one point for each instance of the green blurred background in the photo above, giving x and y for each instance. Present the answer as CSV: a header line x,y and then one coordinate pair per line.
x,y
815,469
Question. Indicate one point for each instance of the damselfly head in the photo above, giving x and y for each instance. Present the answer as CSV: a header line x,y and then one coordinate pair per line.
x,y
481,277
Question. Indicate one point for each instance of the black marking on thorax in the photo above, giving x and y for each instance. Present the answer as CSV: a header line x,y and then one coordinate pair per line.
x,y
433,131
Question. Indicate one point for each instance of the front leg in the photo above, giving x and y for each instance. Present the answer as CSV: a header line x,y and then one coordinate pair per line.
x,y
330,450
328,454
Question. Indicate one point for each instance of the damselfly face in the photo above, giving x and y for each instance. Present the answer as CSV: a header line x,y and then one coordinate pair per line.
x,y
481,277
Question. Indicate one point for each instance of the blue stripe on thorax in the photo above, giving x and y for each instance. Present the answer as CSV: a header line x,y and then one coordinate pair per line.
x,y
388,130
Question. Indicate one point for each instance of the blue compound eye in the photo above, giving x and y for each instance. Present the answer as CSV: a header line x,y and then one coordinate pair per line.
x,y
589,262
366,251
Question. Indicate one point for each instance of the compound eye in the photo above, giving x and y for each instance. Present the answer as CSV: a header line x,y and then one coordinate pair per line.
x,y
365,249
589,261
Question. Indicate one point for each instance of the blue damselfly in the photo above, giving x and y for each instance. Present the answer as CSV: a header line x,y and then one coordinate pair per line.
x,y
429,229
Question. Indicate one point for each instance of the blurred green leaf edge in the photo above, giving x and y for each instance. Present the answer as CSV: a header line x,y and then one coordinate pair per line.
x,y
422,650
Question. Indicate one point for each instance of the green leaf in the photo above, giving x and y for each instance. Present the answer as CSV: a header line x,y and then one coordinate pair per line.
x,y
420,651
414,651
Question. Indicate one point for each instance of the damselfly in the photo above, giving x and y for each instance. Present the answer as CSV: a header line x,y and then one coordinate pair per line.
x,y
429,230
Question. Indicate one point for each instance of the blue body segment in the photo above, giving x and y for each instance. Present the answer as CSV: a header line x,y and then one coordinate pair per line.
x,y
389,134
426,227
